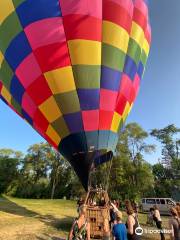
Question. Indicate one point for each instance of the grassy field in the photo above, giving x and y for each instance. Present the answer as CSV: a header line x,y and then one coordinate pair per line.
x,y
22,219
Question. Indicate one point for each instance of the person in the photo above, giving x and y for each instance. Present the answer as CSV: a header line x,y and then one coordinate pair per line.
x,y
132,223
178,208
113,210
118,203
102,202
135,207
79,203
119,229
112,214
81,227
158,221
150,217
127,203
106,227
174,224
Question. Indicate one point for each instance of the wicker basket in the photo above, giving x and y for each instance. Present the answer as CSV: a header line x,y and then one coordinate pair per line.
x,y
96,215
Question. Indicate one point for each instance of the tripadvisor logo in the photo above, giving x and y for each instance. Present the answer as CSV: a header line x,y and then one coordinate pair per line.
x,y
139,231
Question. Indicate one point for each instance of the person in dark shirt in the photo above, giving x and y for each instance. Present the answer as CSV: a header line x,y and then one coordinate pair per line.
x,y
132,223
158,221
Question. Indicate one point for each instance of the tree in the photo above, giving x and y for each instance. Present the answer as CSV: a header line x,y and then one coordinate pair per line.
x,y
162,185
8,172
60,171
36,162
170,145
46,171
131,174
10,153
170,168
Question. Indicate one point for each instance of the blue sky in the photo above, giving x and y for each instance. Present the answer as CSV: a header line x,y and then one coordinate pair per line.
x,y
158,102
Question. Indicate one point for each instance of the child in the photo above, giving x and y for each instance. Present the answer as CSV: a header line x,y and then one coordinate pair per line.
x,y
119,229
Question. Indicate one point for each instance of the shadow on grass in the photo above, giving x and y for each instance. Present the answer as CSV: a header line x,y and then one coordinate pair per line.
x,y
8,206
48,237
61,224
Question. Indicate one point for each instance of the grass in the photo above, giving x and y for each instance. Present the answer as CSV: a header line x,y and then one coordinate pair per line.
x,y
24,219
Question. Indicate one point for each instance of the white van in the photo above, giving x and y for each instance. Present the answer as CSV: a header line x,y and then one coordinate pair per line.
x,y
164,204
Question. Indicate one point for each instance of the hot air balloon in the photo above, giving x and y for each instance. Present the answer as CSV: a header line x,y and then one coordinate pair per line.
x,y
72,69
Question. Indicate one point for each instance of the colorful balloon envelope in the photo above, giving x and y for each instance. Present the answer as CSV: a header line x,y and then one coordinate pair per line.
x,y
72,70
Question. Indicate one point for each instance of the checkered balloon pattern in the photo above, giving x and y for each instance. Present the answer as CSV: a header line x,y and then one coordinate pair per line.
x,y
72,69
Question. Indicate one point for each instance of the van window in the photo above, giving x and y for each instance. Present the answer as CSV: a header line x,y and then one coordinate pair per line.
x,y
169,202
143,200
150,201
162,201
158,201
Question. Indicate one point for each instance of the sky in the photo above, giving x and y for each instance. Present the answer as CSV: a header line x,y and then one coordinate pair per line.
x,y
157,104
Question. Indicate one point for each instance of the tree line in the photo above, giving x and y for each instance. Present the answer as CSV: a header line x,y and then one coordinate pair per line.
x,y
44,173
